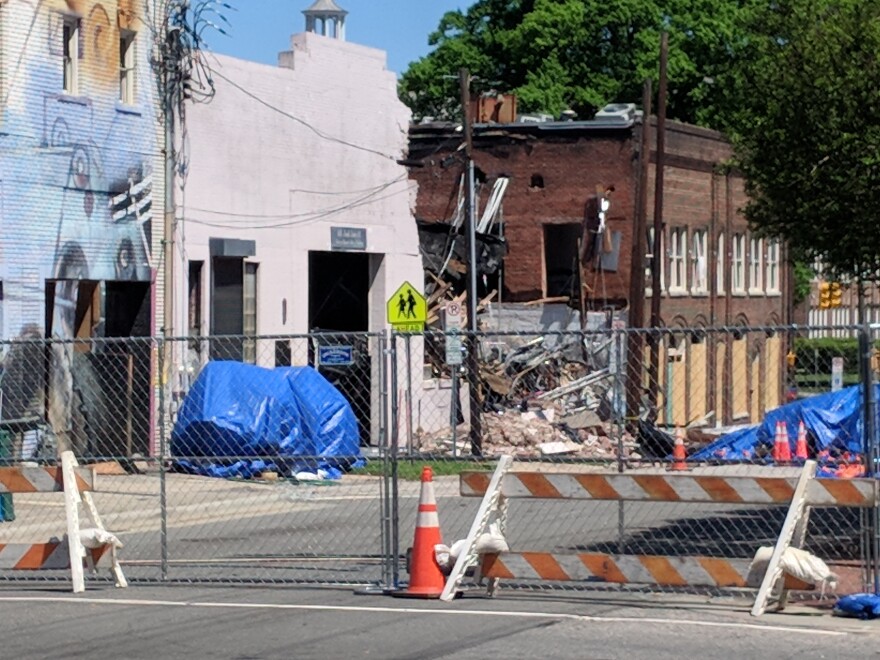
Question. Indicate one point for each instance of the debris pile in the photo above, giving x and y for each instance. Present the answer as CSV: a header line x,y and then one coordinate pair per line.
x,y
547,396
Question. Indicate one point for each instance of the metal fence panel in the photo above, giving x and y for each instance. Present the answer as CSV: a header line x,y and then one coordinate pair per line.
x,y
199,507
613,400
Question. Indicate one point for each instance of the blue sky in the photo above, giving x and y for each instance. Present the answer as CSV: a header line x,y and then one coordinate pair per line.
x,y
262,28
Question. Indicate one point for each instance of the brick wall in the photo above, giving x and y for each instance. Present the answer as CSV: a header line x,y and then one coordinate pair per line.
x,y
698,195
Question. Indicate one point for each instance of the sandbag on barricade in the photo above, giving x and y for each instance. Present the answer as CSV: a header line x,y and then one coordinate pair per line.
x,y
796,562
240,420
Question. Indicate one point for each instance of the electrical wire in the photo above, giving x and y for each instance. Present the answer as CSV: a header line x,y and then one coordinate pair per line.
x,y
370,192
303,122
302,221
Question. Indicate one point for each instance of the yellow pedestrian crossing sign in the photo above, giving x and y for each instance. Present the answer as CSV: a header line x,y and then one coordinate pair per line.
x,y
407,309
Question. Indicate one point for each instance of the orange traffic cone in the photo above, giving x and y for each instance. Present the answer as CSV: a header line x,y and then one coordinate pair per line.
x,y
781,448
425,577
679,455
800,449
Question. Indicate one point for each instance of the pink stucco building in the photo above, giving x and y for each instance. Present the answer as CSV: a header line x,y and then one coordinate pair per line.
x,y
296,214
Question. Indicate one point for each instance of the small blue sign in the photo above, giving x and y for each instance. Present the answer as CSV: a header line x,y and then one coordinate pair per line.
x,y
337,356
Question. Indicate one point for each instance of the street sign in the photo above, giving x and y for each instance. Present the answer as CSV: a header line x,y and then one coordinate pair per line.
x,y
454,352
407,309
836,374
337,356
452,326
452,318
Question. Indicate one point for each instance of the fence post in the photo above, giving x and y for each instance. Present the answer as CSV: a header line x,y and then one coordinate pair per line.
x,y
385,482
618,415
395,517
163,451
409,408
870,428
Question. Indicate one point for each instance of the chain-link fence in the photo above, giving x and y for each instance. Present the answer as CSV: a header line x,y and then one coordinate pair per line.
x,y
227,459
745,402
219,459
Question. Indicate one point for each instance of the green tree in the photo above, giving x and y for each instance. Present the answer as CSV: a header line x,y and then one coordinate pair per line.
x,y
578,54
805,123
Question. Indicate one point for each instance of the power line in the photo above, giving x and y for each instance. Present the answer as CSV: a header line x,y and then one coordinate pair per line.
x,y
315,130
302,221
370,192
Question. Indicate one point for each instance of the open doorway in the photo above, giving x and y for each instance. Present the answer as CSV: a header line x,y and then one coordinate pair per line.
x,y
98,386
561,259
339,315
339,290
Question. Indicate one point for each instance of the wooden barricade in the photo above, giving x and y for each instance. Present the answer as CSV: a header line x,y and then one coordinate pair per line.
x,y
799,493
68,552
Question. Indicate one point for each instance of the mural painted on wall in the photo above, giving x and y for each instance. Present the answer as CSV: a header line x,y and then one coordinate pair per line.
x,y
77,154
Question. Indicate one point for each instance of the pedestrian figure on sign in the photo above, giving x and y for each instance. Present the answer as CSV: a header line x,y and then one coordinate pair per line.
x,y
401,307
410,305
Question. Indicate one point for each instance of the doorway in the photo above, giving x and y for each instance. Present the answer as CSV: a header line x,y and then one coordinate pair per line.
x,y
98,387
339,315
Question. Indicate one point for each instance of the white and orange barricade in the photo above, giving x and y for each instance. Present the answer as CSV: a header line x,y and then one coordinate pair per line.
x,y
799,493
78,547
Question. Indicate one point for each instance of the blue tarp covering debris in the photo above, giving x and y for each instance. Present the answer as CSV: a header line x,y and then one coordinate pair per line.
x,y
833,422
239,420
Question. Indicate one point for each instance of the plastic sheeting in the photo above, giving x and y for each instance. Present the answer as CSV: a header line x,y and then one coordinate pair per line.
x,y
833,422
241,420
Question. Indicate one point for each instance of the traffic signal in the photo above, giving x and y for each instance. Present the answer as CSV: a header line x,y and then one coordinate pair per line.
x,y
835,295
824,295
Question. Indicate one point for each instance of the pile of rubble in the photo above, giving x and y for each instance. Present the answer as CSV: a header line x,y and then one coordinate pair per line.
x,y
536,433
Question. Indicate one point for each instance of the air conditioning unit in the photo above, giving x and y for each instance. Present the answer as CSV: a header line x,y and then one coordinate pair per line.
x,y
622,112
538,118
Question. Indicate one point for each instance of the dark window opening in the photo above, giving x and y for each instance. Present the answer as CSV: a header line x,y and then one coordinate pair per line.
x,y
537,181
194,312
561,259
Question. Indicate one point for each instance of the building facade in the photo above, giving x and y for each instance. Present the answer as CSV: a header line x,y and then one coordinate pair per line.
x,y
296,215
714,272
79,191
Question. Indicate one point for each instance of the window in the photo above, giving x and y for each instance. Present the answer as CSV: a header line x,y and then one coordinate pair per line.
x,y
756,265
738,275
677,257
194,311
720,265
70,54
773,266
250,312
699,264
126,67
650,262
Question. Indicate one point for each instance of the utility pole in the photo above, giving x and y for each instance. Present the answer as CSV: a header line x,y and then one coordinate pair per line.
x,y
473,368
637,266
169,93
657,262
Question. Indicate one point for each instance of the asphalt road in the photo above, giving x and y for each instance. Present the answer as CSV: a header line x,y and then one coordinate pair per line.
x,y
243,623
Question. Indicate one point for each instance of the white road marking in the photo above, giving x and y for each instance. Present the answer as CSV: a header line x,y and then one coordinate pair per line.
x,y
417,610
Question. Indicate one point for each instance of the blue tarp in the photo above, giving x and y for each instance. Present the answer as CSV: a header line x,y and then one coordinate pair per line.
x,y
833,422
240,420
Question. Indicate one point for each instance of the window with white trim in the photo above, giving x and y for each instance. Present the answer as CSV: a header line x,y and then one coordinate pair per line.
x,y
699,262
738,264
126,67
773,266
678,259
756,265
70,54
720,264
650,262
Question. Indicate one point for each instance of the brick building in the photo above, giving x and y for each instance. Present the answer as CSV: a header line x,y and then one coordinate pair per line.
x,y
714,271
